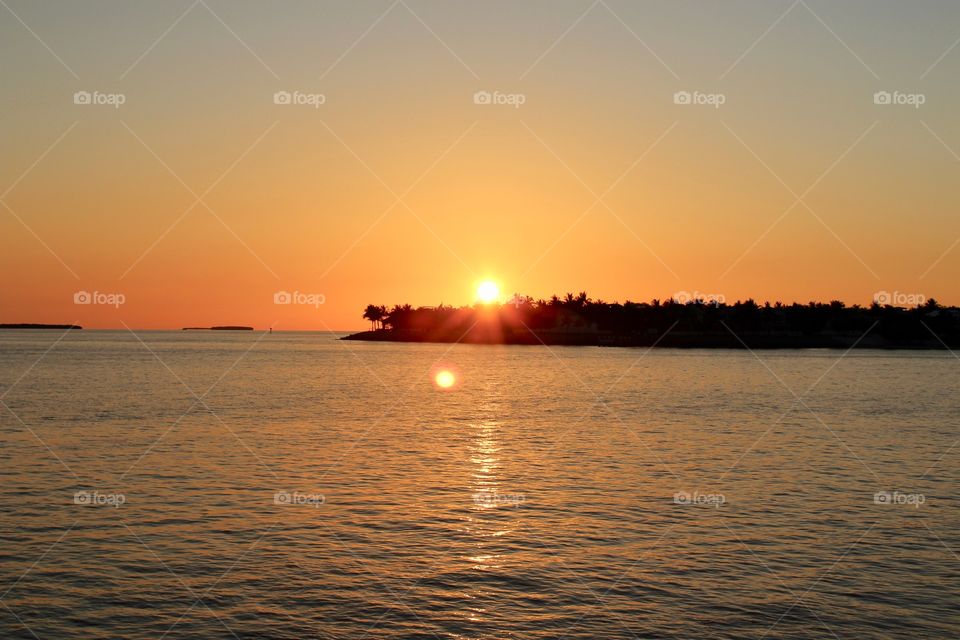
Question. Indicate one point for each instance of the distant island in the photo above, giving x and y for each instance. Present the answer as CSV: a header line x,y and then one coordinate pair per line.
x,y
28,325
580,320
223,328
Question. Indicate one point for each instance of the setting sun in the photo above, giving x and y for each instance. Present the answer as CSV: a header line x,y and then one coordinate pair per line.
x,y
488,292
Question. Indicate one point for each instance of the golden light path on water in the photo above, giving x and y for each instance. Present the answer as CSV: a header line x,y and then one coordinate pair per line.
x,y
485,464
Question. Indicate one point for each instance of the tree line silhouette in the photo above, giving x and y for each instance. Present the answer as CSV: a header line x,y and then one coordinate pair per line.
x,y
579,319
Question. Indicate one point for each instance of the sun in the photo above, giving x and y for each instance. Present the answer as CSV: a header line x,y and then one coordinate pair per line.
x,y
488,292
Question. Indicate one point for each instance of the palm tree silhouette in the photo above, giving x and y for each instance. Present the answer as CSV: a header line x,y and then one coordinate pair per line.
x,y
375,315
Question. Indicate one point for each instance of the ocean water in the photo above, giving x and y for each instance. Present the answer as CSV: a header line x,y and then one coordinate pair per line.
x,y
242,485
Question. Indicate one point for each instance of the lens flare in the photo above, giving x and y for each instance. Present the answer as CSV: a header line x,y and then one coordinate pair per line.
x,y
445,379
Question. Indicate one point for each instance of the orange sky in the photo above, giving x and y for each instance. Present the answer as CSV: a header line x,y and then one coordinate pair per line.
x,y
401,188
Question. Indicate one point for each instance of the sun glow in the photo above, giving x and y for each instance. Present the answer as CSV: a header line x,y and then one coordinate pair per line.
x,y
488,292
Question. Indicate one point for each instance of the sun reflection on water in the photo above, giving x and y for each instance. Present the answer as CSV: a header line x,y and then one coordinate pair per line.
x,y
484,455
487,525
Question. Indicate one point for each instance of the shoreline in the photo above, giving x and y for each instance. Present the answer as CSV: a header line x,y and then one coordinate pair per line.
x,y
666,340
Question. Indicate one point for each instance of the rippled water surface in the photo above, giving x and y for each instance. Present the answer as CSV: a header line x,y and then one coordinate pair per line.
x,y
242,485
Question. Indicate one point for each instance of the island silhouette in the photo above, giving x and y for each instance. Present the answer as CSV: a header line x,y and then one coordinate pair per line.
x,y
581,320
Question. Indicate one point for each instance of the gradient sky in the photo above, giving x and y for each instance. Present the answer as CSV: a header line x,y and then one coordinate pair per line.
x,y
296,198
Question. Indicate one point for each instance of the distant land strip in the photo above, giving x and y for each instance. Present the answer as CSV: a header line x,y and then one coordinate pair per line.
x,y
28,325
223,328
